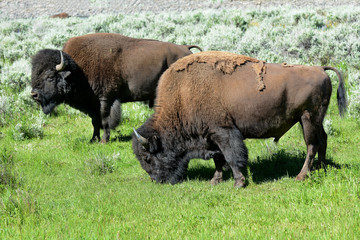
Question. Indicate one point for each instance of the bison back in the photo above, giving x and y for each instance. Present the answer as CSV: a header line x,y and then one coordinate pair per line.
x,y
202,95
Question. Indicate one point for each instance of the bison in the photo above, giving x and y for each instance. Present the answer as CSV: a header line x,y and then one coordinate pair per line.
x,y
209,102
95,73
60,15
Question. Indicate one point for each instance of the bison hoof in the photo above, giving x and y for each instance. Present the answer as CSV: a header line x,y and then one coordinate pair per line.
x,y
94,139
104,141
214,181
239,183
301,177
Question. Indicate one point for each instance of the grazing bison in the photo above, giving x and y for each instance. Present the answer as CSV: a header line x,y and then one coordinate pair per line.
x,y
208,103
95,73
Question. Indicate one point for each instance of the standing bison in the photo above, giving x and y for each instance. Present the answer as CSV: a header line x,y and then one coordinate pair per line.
x,y
95,73
208,103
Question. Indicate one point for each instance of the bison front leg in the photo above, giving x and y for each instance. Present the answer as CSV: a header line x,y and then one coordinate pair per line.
x,y
96,122
231,144
219,161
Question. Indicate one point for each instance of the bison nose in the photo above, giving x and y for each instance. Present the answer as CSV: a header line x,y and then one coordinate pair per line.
x,y
35,95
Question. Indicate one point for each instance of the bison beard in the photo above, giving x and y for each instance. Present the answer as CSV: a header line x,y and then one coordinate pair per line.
x,y
204,111
97,72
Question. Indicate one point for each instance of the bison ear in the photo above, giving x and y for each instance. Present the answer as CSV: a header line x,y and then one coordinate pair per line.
x,y
153,144
64,74
63,84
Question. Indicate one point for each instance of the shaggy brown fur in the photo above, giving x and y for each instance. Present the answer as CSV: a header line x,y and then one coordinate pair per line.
x,y
225,62
208,103
113,61
286,65
260,70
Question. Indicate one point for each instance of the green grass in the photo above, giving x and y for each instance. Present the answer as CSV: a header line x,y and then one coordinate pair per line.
x,y
70,189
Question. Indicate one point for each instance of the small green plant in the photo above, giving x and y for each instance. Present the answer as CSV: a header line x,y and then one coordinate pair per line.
x,y
17,204
240,22
101,164
29,128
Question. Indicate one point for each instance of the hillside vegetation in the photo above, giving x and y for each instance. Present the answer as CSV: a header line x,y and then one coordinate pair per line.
x,y
54,184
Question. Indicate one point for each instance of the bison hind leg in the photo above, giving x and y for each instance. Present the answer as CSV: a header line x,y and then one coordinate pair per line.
x,y
231,144
316,142
110,112
115,114
322,147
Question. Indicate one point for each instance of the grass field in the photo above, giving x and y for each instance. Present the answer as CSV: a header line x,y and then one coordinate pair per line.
x,y
54,184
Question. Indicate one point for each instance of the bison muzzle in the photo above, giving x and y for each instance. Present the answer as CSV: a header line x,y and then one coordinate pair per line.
x,y
208,103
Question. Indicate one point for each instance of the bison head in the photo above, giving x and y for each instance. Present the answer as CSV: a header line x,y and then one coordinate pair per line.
x,y
49,78
162,164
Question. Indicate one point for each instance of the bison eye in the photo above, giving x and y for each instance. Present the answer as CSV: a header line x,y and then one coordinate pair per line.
x,y
148,159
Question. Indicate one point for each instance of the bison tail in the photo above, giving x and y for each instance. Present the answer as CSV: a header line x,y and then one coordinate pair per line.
x,y
194,46
341,93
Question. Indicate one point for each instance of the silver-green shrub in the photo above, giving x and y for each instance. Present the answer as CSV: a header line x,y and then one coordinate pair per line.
x,y
305,36
354,96
5,109
29,128
136,111
17,75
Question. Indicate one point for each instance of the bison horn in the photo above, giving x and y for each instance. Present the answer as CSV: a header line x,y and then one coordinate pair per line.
x,y
61,65
142,140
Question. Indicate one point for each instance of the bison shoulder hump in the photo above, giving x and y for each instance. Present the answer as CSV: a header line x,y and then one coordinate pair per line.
x,y
225,62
